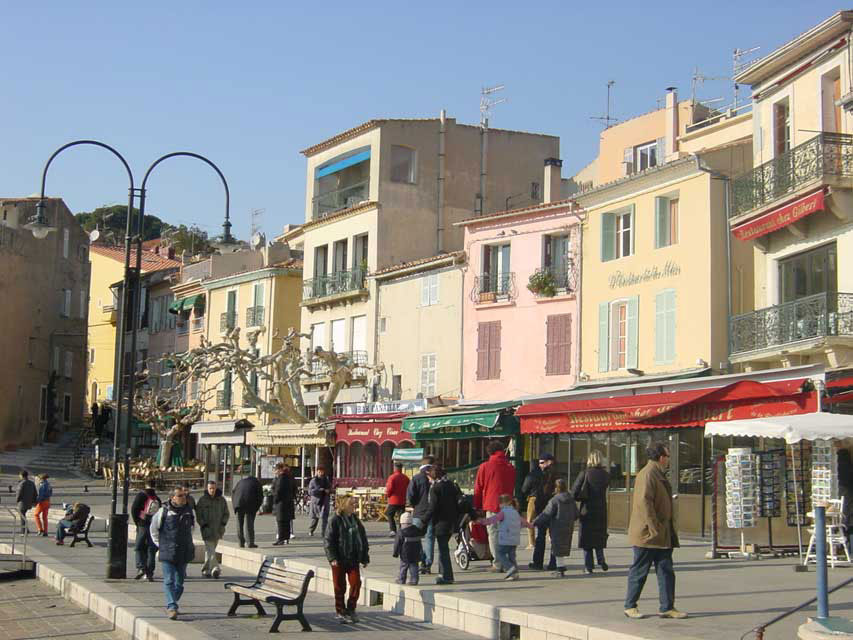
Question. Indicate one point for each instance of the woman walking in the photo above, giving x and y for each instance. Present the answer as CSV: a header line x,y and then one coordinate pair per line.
x,y
346,549
590,490
45,491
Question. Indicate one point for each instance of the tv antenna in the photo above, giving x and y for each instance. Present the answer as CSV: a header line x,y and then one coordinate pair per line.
x,y
700,78
256,217
738,65
486,103
607,119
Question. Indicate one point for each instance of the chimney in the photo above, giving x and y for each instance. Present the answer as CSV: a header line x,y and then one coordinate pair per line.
x,y
671,124
171,251
552,184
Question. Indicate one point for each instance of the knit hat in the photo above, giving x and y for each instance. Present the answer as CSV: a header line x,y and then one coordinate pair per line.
x,y
405,519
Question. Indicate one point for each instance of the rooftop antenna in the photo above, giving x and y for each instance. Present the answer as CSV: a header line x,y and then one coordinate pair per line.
x,y
256,217
607,119
486,104
738,65
700,78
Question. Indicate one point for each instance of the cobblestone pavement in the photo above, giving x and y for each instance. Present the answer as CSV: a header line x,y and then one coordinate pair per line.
x,y
30,609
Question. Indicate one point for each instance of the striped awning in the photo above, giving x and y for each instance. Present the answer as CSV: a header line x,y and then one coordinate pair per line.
x,y
288,435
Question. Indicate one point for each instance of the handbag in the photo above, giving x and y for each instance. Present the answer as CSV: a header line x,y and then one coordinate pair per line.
x,y
583,495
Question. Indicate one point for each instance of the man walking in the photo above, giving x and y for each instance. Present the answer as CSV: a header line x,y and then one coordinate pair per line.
x,y
212,514
283,507
319,490
417,495
652,534
542,491
26,497
495,477
172,532
247,498
145,505
395,490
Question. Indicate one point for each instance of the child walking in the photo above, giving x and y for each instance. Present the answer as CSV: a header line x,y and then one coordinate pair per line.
x,y
559,516
407,547
509,523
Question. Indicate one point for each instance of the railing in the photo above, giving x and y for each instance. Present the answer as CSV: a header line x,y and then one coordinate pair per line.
x,y
492,287
254,316
343,198
182,328
357,358
827,154
223,399
820,315
227,321
13,531
333,283
198,324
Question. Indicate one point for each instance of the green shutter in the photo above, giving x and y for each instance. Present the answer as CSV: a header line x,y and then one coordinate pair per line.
x,y
660,328
662,223
232,301
603,336
608,237
670,325
633,304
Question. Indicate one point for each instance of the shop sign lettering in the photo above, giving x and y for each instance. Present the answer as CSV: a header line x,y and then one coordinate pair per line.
x,y
781,217
621,278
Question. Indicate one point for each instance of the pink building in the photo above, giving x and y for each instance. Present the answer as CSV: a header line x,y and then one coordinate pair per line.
x,y
521,298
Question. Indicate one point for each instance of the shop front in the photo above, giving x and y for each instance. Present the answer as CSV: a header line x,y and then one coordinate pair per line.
x,y
226,456
300,446
620,427
365,445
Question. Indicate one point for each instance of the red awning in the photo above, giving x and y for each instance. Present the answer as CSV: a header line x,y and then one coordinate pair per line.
x,y
375,427
781,217
740,400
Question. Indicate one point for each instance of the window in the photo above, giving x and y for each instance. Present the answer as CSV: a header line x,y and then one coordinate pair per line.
x,y
66,408
428,372
92,355
383,325
665,327
359,254
396,387
318,336
43,404
82,303
646,156
321,256
258,294
666,222
402,164
496,269
831,101
109,395
617,334
781,127
66,239
808,273
340,256
69,364
429,290
359,334
617,234
489,350
156,315
339,333
65,303
556,258
55,366
535,191
558,342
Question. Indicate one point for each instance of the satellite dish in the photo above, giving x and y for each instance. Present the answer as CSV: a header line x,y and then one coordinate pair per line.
x,y
258,240
94,235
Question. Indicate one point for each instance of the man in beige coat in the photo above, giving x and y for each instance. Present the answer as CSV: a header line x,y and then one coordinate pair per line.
x,y
652,534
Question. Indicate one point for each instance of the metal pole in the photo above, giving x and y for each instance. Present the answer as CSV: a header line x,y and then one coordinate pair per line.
x,y
794,453
820,560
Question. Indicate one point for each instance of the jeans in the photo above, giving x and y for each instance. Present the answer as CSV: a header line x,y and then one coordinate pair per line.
x,y
146,552
315,520
492,530
587,558
391,512
643,560
340,577
539,549
506,558
444,564
23,511
211,562
249,519
409,569
173,582
62,528
428,545
283,530
41,515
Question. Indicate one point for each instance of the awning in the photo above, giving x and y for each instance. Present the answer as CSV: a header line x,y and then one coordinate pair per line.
x,y
186,304
806,426
289,435
342,164
492,420
744,399
376,428
408,455
221,432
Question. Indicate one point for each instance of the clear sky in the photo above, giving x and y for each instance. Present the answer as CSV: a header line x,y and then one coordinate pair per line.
x,y
249,84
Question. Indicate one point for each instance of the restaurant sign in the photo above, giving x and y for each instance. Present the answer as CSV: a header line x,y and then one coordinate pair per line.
x,y
378,432
781,217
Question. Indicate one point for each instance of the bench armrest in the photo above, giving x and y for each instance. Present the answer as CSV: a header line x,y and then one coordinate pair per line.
x,y
237,584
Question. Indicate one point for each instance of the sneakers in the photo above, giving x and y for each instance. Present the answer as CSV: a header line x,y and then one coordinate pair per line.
x,y
311,533
559,573
634,613
205,574
587,571
172,614
216,573
440,580
392,534
353,617
512,575
343,619
674,614
139,574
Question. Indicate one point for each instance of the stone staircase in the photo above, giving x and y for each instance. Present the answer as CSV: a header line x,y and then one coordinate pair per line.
x,y
52,457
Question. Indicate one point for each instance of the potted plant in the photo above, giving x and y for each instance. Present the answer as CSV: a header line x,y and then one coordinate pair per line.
x,y
488,296
542,283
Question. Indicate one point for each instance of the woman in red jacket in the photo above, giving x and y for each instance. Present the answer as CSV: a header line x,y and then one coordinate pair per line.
x,y
395,490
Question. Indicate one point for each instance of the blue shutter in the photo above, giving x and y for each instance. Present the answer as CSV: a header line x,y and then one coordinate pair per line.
x,y
662,238
608,237
660,328
670,325
603,336
633,305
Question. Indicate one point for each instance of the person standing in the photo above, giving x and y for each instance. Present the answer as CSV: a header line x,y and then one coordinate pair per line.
x,y
395,491
212,514
590,490
417,495
172,532
558,517
495,477
542,493
346,548
283,508
319,491
443,515
45,491
25,497
145,505
651,532
247,498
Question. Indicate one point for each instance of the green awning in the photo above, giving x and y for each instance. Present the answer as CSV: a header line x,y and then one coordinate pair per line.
x,y
186,304
486,420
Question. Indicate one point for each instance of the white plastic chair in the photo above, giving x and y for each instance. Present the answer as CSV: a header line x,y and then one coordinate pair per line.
x,y
835,534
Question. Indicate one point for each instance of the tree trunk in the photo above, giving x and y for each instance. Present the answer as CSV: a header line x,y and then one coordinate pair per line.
x,y
166,452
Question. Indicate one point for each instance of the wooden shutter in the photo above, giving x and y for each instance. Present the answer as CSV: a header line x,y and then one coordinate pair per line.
x,y
558,344
546,251
550,344
495,351
633,345
483,330
660,151
608,237
662,223
603,336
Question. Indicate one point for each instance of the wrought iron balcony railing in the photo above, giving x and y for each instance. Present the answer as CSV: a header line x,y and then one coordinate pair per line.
x,y
254,316
327,203
491,287
333,283
357,358
223,399
198,324
227,321
817,316
827,154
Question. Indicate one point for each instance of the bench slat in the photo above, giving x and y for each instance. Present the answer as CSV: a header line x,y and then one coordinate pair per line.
x,y
265,595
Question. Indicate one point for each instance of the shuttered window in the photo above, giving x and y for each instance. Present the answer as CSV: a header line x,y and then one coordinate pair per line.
x,y
618,334
428,375
489,350
617,234
558,344
666,221
665,327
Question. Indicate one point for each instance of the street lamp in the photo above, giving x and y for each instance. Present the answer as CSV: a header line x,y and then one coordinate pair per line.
x,y
38,224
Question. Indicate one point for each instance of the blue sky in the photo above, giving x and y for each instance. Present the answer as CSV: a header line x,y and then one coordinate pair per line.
x,y
250,84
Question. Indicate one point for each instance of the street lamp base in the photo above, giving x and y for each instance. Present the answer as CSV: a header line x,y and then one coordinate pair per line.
x,y
117,547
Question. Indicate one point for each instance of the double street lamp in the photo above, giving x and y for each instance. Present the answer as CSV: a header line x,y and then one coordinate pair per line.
x,y
130,304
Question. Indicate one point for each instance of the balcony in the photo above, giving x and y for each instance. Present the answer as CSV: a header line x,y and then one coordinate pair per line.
x,y
357,358
338,285
821,159
227,321
182,328
197,324
329,202
494,287
223,400
817,317
254,316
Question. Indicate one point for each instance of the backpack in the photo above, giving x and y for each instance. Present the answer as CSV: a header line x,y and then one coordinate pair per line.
x,y
152,506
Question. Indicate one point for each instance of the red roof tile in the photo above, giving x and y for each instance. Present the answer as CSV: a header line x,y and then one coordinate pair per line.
x,y
150,260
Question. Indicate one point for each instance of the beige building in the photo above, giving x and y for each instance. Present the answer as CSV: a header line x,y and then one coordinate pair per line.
x,y
388,192
793,210
43,329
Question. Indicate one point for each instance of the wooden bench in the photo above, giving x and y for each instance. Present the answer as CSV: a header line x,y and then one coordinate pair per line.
x,y
81,534
278,586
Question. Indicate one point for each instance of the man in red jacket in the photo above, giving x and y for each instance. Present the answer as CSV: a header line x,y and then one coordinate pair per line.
x,y
496,476
395,490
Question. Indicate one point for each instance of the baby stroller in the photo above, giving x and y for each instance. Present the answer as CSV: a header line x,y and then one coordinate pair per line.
x,y
472,539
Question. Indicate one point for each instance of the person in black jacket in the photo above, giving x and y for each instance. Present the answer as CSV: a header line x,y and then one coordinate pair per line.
x,y
283,507
145,505
407,547
172,532
346,548
593,503
246,499
443,514
417,495
543,490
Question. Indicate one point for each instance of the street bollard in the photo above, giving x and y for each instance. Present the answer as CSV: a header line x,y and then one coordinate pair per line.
x,y
820,560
